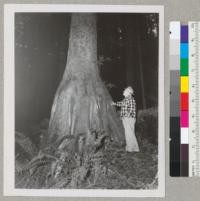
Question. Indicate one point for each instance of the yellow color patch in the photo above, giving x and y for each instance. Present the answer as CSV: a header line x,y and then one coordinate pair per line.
x,y
184,84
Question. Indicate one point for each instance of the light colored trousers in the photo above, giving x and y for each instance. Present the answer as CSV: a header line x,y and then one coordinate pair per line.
x,y
131,141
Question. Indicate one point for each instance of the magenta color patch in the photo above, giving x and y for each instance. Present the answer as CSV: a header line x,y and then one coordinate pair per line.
x,y
184,118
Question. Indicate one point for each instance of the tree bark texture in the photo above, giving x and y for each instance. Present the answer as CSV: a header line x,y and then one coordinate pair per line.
x,y
82,103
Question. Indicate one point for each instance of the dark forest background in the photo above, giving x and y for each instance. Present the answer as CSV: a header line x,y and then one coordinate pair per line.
x,y
127,53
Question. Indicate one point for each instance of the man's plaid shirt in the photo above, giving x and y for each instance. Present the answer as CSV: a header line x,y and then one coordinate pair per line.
x,y
128,107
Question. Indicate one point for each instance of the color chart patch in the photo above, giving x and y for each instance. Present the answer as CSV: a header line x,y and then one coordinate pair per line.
x,y
184,99
184,93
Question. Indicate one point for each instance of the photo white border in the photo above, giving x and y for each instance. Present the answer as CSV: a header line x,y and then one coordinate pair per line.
x,y
9,100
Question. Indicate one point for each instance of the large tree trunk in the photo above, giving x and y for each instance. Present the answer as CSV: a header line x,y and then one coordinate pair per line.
x,y
82,102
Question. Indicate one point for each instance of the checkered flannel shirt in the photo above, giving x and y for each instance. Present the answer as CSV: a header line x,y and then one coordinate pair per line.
x,y
128,107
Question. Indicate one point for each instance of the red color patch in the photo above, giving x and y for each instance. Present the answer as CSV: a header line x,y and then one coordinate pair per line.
x,y
184,101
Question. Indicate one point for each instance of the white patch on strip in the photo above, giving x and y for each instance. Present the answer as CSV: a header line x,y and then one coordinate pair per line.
x,y
174,45
175,30
184,136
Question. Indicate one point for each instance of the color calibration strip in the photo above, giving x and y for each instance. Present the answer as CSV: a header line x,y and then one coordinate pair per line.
x,y
184,99
184,93
174,52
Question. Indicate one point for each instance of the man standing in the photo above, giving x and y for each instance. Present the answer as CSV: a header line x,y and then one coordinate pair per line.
x,y
128,116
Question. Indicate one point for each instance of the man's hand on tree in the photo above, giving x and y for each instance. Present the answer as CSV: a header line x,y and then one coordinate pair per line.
x,y
113,103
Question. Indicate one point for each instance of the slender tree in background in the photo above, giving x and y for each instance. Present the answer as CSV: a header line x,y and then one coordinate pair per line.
x,y
139,46
82,102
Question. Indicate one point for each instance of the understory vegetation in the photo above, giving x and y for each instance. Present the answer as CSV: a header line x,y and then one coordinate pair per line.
x,y
99,164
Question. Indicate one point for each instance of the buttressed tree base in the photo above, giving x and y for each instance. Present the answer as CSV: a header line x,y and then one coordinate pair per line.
x,y
82,103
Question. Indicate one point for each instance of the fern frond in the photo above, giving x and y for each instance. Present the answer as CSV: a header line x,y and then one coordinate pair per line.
x,y
25,143
40,160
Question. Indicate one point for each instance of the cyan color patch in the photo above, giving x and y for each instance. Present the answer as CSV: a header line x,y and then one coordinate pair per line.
x,y
184,50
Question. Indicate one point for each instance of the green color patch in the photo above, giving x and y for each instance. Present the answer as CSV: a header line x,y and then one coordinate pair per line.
x,y
184,67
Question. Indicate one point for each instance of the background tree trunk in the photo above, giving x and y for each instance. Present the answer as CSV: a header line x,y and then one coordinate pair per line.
x,y
82,102
141,71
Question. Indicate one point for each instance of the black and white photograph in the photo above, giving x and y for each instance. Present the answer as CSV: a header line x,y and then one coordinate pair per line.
x,y
84,100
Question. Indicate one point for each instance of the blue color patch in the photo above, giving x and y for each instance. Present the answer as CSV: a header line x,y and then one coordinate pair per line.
x,y
184,34
184,50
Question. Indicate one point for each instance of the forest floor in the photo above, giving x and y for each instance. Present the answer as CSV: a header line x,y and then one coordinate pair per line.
x,y
136,170
117,169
